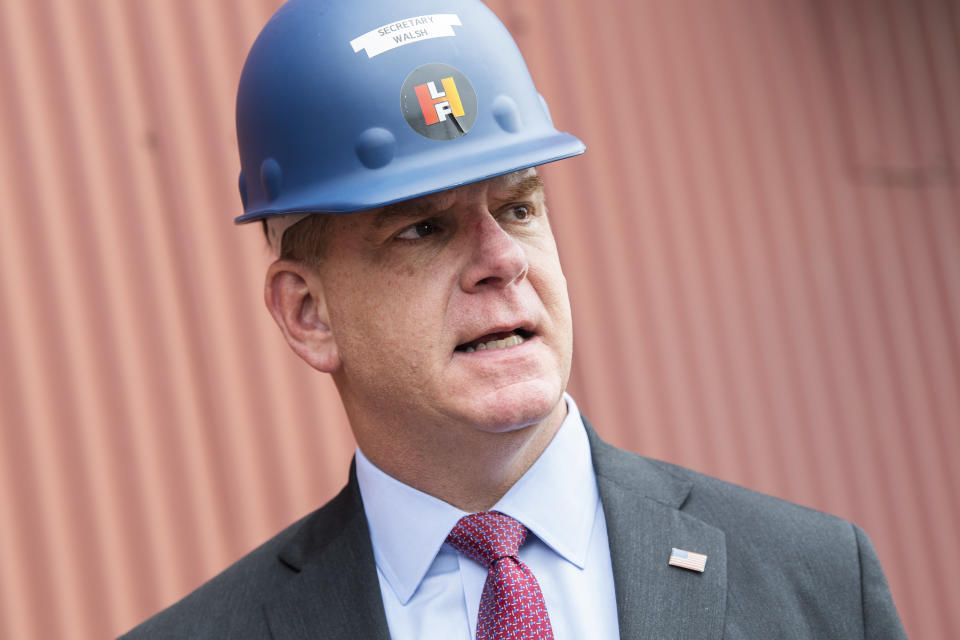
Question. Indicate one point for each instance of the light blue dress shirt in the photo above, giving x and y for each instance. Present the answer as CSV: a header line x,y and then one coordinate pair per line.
x,y
430,591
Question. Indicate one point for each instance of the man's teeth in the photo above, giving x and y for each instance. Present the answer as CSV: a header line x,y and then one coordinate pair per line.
x,y
512,341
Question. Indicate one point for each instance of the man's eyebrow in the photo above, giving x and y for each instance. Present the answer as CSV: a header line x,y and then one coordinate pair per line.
x,y
407,209
524,187
423,207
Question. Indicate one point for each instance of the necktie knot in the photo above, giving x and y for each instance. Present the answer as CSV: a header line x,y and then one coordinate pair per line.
x,y
511,605
488,536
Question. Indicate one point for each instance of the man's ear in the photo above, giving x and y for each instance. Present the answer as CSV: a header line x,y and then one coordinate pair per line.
x,y
294,295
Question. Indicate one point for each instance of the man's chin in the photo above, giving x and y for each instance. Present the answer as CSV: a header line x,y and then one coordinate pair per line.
x,y
517,407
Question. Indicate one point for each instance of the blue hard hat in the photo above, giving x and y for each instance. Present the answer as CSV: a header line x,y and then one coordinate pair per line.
x,y
345,106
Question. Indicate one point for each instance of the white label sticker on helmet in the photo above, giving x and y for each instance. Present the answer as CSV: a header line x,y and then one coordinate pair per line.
x,y
406,31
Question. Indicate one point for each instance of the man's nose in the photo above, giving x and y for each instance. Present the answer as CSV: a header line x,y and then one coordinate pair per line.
x,y
496,258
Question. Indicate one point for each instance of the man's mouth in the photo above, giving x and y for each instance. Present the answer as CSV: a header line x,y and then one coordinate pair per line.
x,y
500,340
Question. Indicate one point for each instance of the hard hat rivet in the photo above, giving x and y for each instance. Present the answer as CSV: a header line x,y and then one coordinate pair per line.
x,y
271,178
506,113
375,147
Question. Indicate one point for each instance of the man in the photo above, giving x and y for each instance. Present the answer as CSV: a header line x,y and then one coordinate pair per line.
x,y
480,504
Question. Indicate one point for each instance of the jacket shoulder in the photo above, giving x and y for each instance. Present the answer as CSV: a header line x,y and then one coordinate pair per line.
x,y
803,554
740,507
230,601
730,507
817,571
231,604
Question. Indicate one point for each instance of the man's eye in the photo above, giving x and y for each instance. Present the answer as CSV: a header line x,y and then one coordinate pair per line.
x,y
519,212
422,229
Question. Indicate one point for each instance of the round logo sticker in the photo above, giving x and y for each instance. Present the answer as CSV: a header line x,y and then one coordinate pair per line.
x,y
438,102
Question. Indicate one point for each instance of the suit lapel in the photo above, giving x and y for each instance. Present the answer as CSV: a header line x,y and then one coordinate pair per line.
x,y
335,592
642,504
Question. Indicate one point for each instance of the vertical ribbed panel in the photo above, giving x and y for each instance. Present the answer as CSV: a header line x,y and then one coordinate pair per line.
x,y
762,246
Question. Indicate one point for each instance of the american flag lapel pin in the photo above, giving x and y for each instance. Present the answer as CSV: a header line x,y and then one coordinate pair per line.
x,y
687,560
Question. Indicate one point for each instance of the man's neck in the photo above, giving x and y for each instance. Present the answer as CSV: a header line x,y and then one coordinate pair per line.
x,y
470,469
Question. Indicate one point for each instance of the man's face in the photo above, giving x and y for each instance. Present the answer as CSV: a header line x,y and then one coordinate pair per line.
x,y
449,310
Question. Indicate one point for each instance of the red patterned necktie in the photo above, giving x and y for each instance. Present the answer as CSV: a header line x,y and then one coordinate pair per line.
x,y
511,607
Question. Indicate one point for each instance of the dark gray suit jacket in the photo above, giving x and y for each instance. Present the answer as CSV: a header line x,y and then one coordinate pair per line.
x,y
774,569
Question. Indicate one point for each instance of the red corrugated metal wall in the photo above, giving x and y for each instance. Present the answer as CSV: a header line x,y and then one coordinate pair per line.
x,y
762,244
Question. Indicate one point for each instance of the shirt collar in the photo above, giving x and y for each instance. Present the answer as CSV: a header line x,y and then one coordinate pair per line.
x,y
556,499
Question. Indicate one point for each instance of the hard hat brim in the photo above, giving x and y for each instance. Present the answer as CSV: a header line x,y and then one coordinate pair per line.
x,y
410,178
